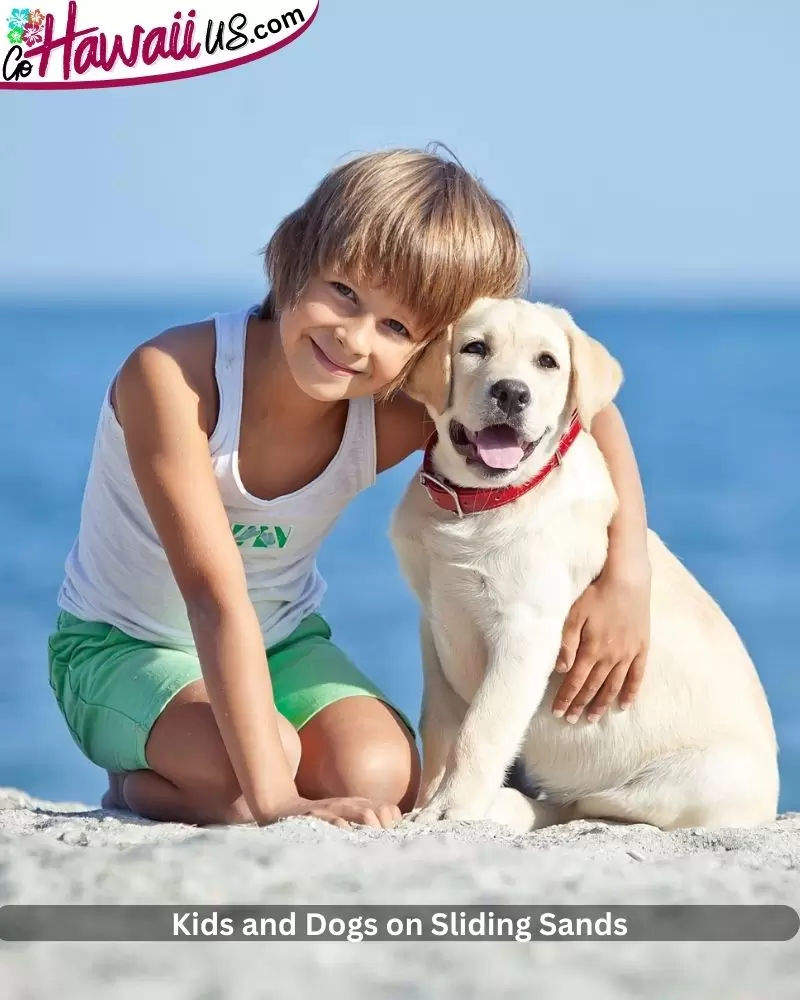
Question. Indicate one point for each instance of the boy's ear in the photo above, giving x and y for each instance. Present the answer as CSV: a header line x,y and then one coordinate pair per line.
x,y
431,377
596,376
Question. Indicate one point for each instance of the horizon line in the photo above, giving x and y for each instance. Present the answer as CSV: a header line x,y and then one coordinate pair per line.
x,y
27,294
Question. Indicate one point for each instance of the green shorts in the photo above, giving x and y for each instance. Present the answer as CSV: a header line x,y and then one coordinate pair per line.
x,y
111,688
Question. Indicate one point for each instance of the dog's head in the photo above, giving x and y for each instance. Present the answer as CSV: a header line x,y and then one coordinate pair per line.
x,y
502,384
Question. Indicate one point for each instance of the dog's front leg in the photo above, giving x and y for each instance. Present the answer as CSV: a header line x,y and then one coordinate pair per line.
x,y
442,714
522,654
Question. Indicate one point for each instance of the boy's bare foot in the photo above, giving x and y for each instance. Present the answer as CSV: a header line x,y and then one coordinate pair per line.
x,y
113,798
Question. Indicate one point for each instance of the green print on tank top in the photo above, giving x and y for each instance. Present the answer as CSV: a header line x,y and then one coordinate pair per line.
x,y
261,536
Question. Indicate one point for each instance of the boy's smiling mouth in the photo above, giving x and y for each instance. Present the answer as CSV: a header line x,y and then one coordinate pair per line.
x,y
329,364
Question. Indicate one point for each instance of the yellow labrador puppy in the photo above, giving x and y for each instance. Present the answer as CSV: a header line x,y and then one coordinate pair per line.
x,y
503,530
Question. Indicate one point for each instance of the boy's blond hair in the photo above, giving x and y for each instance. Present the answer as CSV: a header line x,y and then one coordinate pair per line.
x,y
408,221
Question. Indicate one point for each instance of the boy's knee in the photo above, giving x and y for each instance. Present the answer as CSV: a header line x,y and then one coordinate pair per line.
x,y
229,813
359,746
228,804
388,778
219,785
384,771
215,783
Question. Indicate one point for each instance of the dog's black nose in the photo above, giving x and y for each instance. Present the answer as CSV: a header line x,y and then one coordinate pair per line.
x,y
512,396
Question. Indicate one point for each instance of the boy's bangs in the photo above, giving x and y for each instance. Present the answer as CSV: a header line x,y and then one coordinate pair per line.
x,y
436,268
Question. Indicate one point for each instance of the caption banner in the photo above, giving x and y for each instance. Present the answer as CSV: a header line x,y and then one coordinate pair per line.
x,y
398,923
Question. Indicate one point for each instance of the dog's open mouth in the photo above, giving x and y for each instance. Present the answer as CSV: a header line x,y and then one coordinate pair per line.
x,y
499,447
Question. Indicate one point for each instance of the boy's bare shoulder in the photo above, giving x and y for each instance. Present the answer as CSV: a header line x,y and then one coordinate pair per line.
x,y
181,357
402,426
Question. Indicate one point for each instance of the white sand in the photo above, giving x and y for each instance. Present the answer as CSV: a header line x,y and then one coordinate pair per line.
x,y
64,852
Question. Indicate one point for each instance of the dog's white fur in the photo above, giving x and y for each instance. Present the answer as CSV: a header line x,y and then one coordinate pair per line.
x,y
696,748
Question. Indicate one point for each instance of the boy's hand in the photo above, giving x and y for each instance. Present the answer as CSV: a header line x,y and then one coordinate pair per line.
x,y
345,812
604,645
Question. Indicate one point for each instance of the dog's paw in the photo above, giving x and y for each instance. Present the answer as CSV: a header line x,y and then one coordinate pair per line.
x,y
426,816
513,809
441,809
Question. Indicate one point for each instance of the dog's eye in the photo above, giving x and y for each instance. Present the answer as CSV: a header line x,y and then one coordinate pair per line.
x,y
475,347
546,361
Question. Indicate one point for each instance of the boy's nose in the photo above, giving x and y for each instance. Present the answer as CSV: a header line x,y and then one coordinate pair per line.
x,y
355,336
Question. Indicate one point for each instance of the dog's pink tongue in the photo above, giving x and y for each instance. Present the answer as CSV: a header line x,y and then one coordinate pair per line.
x,y
498,447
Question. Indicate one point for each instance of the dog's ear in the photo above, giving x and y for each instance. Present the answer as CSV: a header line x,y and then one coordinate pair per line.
x,y
596,375
431,376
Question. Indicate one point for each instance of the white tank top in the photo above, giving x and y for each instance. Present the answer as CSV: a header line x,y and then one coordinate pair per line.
x,y
117,571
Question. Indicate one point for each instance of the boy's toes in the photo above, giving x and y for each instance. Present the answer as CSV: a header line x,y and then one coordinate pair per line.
x,y
113,798
108,801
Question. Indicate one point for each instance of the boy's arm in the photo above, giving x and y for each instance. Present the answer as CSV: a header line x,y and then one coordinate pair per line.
x,y
166,430
627,534
607,633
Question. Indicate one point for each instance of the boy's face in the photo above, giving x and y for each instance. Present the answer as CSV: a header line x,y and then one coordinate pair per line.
x,y
344,340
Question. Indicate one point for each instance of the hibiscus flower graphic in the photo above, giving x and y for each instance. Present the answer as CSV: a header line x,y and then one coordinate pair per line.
x,y
36,18
15,36
19,18
33,34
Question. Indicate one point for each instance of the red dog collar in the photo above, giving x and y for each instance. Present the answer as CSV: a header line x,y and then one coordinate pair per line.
x,y
463,500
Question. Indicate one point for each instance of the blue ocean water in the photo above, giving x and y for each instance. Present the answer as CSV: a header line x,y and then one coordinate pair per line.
x,y
711,404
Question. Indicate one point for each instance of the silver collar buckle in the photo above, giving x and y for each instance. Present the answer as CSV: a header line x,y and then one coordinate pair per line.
x,y
425,478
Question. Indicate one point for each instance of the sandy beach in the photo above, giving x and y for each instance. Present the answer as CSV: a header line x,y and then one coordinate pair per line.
x,y
74,853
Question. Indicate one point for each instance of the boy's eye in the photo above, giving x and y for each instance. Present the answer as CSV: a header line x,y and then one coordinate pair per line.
x,y
344,290
547,361
397,326
475,347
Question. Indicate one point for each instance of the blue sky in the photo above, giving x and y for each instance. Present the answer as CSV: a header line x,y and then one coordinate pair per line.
x,y
644,148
